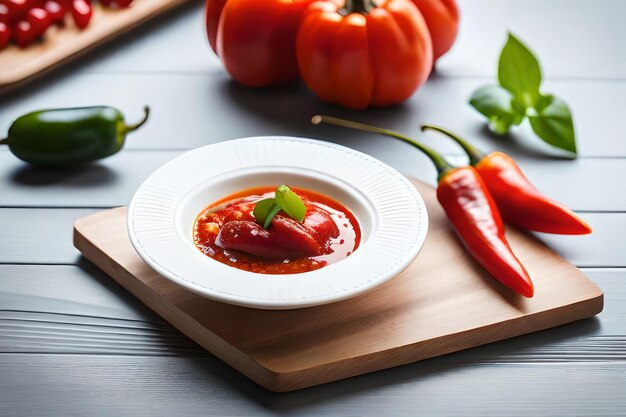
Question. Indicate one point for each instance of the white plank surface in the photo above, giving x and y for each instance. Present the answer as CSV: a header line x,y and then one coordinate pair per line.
x,y
191,110
44,236
113,181
577,369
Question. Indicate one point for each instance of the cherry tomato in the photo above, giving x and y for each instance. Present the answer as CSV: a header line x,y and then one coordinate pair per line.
x,y
123,3
4,13
55,10
17,8
81,13
5,35
24,34
39,19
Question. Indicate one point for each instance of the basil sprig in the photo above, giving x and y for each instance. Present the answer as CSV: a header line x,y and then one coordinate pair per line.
x,y
518,97
284,199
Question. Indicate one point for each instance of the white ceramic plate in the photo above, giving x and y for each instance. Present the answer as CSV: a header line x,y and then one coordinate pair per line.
x,y
391,213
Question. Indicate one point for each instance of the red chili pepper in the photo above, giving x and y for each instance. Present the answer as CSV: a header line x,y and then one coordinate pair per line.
x,y
520,203
24,34
56,11
39,19
81,13
5,35
471,210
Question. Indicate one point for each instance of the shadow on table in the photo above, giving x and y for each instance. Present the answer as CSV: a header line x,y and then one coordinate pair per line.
x,y
288,110
521,349
86,175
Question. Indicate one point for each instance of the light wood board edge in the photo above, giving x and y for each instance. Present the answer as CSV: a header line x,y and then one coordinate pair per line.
x,y
288,381
51,53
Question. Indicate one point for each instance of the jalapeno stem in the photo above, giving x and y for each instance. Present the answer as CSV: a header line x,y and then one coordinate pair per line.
x,y
4,141
130,128
440,163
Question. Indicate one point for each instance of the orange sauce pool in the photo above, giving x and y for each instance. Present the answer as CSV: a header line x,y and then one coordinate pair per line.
x,y
239,206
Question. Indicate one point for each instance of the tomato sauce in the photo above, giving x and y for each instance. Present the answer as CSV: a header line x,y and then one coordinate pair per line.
x,y
227,232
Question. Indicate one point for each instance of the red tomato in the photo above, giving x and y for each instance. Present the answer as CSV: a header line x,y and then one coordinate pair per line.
x,y
256,40
372,56
212,14
442,19
5,35
39,19
24,34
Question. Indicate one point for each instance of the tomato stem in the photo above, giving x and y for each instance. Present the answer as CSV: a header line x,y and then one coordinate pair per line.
x,y
440,163
130,128
357,6
472,152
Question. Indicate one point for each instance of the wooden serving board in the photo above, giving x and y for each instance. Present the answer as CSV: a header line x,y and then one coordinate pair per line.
x,y
442,303
59,45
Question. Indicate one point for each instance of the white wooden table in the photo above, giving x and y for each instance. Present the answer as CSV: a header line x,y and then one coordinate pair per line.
x,y
74,343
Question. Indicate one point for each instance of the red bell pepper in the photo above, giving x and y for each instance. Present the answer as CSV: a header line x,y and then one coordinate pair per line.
x,y
364,54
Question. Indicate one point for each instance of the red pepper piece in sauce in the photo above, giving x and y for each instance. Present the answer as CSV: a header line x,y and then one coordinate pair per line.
x,y
471,210
519,202
285,240
81,13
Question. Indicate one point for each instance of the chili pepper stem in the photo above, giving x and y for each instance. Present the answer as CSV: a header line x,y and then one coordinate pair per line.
x,y
130,128
4,141
472,152
440,163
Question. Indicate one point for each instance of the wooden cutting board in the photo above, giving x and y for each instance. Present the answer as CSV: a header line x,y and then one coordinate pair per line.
x,y
60,45
444,302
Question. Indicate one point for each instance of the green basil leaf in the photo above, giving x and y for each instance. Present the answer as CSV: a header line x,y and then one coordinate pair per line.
x,y
290,203
495,103
554,125
519,71
262,209
272,213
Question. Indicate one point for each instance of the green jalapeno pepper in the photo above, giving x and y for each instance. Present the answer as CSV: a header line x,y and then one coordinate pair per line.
x,y
65,137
